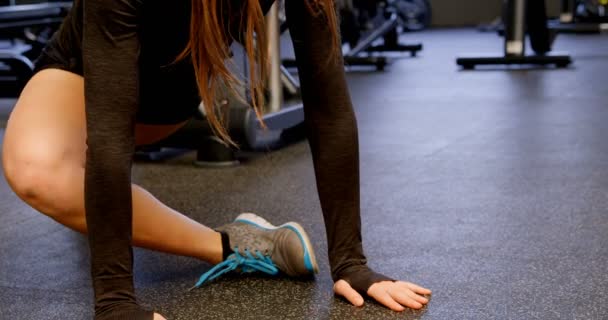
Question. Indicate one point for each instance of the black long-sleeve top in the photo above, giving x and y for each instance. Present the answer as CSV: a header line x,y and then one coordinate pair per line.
x,y
124,50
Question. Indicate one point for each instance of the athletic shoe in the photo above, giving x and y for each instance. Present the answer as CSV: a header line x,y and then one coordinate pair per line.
x,y
260,246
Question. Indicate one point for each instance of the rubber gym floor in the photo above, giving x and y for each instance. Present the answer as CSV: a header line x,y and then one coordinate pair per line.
x,y
489,187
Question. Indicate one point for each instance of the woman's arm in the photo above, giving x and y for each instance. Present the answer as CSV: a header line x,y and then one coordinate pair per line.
x,y
332,134
110,59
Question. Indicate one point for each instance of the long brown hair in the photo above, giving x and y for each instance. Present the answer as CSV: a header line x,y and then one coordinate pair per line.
x,y
208,48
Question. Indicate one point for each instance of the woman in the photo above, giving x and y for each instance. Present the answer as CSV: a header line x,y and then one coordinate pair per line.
x,y
122,73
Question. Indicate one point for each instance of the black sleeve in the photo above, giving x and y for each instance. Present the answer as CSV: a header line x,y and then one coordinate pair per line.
x,y
332,133
110,61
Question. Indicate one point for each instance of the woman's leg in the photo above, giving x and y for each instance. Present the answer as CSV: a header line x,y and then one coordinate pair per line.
x,y
43,159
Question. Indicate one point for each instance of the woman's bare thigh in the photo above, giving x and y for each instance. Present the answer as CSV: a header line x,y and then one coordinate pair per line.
x,y
49,118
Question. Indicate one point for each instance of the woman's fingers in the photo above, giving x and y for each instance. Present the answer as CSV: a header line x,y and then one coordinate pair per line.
x,y
395,295
405,297
381,295
416,296
342,288
414,287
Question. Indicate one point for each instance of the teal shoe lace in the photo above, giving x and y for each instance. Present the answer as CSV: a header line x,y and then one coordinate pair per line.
x,y
246,263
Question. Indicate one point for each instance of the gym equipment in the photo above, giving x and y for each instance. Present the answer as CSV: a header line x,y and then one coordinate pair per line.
x,y
15,68
517,15
586,16
416,14
283,116
24,32
365,23
492,26
385,23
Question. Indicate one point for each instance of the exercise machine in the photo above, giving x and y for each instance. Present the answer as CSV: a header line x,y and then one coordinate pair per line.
x,y
283,116
15,68
586,16
522,17
416,14
371,29
24,30
386,23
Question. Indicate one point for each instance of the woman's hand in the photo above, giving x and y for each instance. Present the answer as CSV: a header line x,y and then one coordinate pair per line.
x,y
395,295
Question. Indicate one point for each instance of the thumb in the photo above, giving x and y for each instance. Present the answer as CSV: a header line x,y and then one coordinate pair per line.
x,y
342,288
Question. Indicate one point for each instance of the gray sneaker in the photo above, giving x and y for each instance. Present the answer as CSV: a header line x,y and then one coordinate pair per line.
x,y
260,246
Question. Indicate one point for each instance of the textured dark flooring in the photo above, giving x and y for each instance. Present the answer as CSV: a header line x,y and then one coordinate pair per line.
x,y
489,187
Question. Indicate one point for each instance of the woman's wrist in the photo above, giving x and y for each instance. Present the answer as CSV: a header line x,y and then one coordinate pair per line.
x,y
361,277
126,312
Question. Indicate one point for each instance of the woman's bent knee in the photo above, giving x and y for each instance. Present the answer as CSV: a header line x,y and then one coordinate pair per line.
x,y
41,181
44,142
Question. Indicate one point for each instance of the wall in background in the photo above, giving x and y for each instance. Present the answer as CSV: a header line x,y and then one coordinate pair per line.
x,y
447,13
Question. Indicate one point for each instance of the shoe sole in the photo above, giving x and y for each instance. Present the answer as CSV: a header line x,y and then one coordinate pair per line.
x,y
310,260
